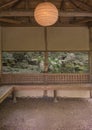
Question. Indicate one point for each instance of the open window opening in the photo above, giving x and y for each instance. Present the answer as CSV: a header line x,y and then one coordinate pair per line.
x,y
34,62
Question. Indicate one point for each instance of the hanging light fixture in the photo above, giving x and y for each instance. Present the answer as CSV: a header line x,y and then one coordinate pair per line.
x,y
46,14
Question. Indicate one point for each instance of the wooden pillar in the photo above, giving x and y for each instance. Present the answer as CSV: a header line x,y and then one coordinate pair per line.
x,y
1,37
14,97
46,51
46,64
55,96
46,58
90,56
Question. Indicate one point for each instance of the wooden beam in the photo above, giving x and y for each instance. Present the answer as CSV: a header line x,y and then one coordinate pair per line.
x,y
36,25
82,21
82,5
6,20
16,4
75,14
76,6
26,4
61,5
31,13
86,6
8,4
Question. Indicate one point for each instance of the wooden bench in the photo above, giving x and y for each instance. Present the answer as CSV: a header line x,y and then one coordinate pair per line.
x,y
5,91
47,82
52,87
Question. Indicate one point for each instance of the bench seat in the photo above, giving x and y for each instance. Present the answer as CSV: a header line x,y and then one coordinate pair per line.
x,y
53,87
5,91
87,86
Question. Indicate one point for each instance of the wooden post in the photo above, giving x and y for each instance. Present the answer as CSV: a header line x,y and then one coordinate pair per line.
x,y
46,64
90,56
46,59
46,51
55,96
1,48
14,97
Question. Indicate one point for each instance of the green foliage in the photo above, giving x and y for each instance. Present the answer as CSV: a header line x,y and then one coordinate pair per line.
x,y
33,62
68,62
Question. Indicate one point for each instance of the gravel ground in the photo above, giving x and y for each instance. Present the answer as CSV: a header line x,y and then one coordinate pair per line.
x,y
44,114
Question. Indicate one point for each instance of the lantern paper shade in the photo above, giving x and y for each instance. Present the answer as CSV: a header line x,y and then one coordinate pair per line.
x,y
46,14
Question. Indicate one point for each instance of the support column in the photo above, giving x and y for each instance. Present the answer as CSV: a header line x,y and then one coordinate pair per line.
x,y
46,65
14,97
1,52
46,58
55,96
90,56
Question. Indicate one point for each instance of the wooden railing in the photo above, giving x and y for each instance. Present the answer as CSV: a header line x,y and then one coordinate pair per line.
x,y
44,78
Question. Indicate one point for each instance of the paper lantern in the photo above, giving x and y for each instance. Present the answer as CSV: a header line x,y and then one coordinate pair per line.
x,y
46,14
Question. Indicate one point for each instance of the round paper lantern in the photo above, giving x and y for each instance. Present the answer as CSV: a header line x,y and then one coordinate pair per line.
x,y
46,14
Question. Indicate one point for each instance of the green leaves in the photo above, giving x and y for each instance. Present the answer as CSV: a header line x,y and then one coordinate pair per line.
x,y
33,62
68,62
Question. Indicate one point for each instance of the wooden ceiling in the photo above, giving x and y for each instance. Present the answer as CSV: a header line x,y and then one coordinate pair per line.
x,y
20,12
